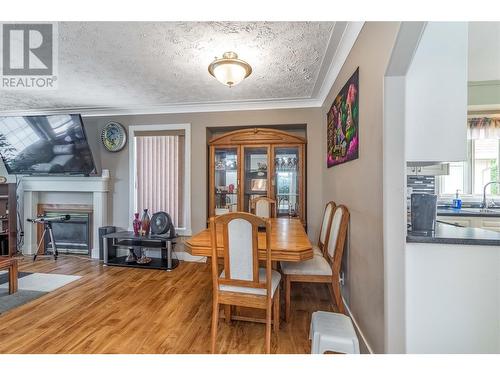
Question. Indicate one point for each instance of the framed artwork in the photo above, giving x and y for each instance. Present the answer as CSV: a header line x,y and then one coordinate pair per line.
x,y
342,124
258,184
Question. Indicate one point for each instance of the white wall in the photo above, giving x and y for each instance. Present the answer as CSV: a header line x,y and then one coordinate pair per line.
x,y
436,95
394,210
452,298
394,180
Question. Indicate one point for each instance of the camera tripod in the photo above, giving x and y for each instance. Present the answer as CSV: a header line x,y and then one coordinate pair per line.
x,y
47,226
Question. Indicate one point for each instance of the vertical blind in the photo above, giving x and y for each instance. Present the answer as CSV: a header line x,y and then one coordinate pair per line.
x,y
160,173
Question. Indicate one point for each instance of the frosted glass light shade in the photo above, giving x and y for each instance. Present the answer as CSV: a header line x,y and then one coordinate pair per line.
x,y
229,70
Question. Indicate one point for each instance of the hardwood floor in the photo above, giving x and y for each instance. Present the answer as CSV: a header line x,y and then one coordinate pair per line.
x,y
130,310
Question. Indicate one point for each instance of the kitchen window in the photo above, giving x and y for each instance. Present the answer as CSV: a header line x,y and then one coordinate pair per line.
x,y
482,166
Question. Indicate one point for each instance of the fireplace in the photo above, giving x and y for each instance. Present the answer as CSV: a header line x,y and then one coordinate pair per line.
x,y
89,192
73,236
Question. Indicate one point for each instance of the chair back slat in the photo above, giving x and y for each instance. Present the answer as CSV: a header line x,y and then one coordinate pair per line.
x,y
263,207
325,225
240,249
338,235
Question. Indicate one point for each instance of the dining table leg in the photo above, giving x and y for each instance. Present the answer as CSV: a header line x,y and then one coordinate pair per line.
x,y
276,311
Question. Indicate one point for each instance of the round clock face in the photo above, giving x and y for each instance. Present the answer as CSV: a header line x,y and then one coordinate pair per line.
x,y
3,179
114,136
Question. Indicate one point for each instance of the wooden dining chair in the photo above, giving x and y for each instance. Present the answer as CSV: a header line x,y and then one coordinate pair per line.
x,y
242,282
324,268
324,232
263,207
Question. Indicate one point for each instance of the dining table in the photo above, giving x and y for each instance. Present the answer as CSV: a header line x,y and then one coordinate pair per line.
x,y
289,242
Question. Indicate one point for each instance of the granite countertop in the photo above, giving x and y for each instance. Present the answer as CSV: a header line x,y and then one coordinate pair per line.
x,y
481,212
450,234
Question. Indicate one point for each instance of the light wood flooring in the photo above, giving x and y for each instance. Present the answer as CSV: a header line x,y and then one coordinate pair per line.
x,y
130,310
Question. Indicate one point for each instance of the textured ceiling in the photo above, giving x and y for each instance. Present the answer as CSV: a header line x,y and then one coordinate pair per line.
x,y
123,64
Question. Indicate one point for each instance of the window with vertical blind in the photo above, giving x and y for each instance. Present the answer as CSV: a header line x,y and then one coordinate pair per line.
x,y
160,173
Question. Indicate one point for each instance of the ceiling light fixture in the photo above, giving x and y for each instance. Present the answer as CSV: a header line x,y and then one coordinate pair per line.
x,y
229,70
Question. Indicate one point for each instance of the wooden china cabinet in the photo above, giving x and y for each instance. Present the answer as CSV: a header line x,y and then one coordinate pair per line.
x,y
245,164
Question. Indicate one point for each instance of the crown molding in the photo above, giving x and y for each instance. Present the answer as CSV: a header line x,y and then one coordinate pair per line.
x,y
174,108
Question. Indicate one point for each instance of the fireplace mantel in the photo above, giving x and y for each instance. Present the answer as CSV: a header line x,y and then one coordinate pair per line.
x,y
32,186
66,184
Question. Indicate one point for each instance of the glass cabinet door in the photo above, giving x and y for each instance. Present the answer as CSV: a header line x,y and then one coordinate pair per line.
x,y
286,180
256,176
226,180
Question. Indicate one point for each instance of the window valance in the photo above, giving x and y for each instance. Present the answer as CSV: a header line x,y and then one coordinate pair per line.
x,y
483,128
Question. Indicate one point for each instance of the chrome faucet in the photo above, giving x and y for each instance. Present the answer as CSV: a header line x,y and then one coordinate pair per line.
x,y
483,203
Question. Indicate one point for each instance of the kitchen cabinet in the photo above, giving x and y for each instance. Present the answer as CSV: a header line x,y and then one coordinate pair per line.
x,y
429,170
490,223
458,220
436,95
249,163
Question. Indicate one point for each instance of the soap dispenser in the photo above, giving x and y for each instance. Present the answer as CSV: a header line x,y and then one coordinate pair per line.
x,y
457,202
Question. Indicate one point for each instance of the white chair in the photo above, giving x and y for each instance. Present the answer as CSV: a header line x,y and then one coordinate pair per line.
x,y
242,282
263,207
323,267
332,332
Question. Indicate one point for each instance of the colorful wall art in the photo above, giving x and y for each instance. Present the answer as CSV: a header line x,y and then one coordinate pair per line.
x,y
343,125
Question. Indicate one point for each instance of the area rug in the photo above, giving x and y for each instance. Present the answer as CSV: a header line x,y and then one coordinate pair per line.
x,y
4,276
30,287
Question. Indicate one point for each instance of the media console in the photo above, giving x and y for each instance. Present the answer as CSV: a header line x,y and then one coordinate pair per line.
x,y
129,240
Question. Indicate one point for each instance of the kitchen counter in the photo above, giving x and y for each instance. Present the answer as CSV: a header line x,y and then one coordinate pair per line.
x,y
476,212
450,234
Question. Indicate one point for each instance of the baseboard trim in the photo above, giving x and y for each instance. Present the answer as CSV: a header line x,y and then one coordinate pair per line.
x,y
186,257
370,350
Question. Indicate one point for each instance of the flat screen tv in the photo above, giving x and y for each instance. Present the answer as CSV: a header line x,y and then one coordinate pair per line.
x,y
52,144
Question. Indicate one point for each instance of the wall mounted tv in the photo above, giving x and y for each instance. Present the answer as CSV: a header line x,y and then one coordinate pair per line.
x,y
52,144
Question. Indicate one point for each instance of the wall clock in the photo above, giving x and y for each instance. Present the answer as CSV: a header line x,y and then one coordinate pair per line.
x,y
3,179
114,136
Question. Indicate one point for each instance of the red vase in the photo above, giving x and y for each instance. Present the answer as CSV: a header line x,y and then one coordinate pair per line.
x,y
136,224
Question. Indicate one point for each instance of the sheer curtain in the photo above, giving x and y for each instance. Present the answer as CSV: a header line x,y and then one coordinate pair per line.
x,y
160,173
